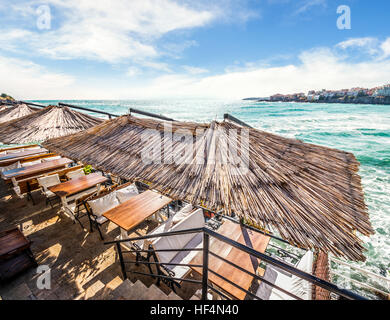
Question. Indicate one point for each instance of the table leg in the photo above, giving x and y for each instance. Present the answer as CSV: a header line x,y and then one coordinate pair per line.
x,y
124,235
29,194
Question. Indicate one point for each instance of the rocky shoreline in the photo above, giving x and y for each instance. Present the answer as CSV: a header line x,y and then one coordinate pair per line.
x,y
346,100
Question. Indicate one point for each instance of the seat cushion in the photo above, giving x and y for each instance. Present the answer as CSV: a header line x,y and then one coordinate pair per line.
x,y
14,151
182,214
126,193
103,204
31,163
294,284
195,220
51,158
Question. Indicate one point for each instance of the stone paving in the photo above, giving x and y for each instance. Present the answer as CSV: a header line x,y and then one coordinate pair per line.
x,y
82,266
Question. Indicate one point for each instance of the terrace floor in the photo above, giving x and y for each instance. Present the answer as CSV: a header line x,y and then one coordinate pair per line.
x,y
81,264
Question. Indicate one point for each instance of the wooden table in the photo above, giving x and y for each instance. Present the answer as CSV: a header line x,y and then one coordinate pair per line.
x,y
245,236
19,147
132,212
33,172
14,157
75,186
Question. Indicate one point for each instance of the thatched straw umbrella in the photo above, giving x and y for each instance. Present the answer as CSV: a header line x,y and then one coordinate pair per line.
x,y
15,112
50,122
310,194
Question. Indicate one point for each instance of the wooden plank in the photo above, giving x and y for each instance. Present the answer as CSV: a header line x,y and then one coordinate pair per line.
x,y
12,240
132,212
19,147
77,185
36,169
244,236
14,157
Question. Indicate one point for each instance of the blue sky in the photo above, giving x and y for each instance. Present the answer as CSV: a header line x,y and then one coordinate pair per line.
x,y
165,48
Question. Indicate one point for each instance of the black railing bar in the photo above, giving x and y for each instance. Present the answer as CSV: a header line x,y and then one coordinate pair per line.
x,y
166,277
282,265
257,277
163,234
234,119
220,292
162,250
33,104
149,114
244,224
88,109
235,285
166,264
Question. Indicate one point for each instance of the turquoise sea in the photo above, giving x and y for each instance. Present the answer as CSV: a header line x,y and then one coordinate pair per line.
x,y
361,129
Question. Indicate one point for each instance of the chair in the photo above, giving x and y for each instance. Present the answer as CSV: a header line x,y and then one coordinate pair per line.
x,y
45,183
75,174
97,205
184,241
293,284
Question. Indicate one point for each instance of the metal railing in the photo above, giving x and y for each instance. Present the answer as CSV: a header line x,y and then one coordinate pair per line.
x,y
171,280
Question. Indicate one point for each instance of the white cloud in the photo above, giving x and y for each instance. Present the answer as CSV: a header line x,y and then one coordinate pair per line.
x,y
305,5
318,69
357,42
385,46
132,71
110,30
195,70
22,78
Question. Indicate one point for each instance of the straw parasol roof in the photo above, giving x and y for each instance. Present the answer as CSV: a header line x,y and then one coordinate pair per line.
x,y
50,122
312,195
15,112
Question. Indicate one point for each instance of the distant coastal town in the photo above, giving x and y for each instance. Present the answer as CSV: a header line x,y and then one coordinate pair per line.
x,y
377,95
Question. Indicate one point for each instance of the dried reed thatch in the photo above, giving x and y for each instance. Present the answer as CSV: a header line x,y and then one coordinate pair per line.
x,y
15,112
311,195
50,122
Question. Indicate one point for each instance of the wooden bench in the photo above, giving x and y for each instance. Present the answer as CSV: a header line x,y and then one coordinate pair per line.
x,y
15,254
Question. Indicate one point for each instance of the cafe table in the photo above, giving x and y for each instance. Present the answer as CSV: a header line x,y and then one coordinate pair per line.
x,y
76,188
238,233
34,171
8,159
132,212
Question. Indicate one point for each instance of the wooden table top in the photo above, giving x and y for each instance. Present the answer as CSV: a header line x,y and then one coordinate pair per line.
x,y
12,240
245,236
129,214
35,169
18,147
77,184
20,155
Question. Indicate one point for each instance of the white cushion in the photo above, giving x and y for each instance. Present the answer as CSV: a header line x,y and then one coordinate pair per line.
x,y
30,163
103,204
195,220
182,214
10,167
15,151
51,158
3,153
33,148
126,193
49,181
294,284
75,174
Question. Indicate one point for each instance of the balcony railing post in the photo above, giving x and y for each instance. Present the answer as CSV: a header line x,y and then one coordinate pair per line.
x,y
119,250
206,239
